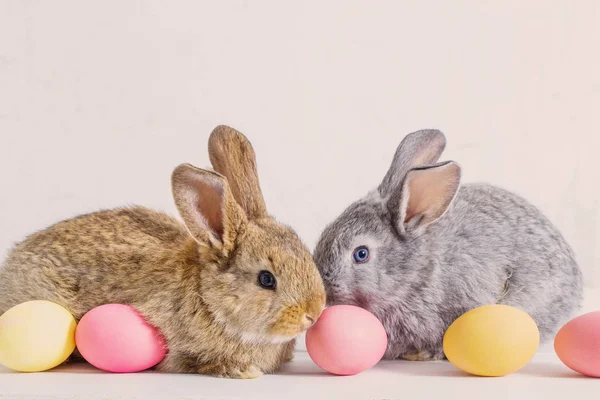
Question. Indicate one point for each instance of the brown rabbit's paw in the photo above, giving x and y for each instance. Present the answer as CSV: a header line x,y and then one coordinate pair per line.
x,y
231,371
251,372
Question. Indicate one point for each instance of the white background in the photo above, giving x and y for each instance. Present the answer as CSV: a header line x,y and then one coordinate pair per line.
x,y
99,101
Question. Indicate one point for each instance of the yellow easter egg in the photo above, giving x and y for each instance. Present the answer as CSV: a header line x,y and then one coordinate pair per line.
x,y
36,336
493,340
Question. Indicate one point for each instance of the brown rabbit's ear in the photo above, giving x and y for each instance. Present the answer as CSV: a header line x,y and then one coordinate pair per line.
x,y
207,206
232,155
426,195
417,149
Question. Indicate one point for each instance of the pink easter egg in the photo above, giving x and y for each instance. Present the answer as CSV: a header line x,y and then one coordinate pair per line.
x,y
346,340
116,338
577,344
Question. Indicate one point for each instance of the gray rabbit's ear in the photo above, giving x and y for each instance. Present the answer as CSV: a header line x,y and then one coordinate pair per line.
x,y
425,196
232,155
417,149
207,206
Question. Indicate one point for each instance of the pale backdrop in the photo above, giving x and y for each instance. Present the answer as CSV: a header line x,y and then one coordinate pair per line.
x,y
100,100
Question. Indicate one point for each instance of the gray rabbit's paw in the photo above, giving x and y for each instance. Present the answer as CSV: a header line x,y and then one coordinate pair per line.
x,y
423,355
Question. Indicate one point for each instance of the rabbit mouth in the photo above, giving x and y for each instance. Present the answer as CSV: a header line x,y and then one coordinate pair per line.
x,y
362,300
356,298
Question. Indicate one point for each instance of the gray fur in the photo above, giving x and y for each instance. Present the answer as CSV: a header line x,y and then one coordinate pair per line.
x,y
489,247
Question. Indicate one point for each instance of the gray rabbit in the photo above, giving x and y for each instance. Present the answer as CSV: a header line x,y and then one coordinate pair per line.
x,y
420,250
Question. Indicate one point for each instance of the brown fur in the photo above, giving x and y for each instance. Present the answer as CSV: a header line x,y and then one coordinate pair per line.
x,y
226,146
196,282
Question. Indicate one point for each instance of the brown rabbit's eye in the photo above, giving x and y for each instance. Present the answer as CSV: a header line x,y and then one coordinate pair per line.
x,y
267,280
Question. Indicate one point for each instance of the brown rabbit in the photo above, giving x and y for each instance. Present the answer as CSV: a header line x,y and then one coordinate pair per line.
x,y
229,290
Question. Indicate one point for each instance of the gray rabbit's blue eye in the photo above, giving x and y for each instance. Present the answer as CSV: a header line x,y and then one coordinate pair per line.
x,y
361,255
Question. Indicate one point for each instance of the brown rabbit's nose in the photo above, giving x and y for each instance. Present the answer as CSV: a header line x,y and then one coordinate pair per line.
x,y
310,319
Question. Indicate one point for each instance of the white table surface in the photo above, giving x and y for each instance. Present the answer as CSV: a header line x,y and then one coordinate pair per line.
x,y
544,378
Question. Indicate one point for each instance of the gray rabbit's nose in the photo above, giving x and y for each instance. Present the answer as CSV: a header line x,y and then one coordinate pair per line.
x,y
331,297
333,301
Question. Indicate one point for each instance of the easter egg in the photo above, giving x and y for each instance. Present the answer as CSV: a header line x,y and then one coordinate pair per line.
x,y
36,336
346,340
116,338
492,340
577,344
